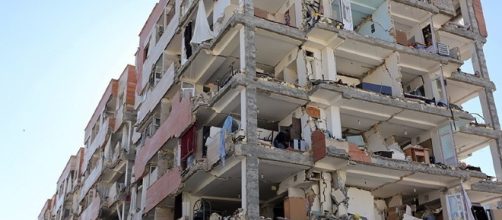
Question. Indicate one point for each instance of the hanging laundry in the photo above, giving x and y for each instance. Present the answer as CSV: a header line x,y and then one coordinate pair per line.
x,y
202,30
219,10
228,127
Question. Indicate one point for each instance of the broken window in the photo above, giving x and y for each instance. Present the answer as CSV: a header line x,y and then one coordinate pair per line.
x,y
188,34
455,205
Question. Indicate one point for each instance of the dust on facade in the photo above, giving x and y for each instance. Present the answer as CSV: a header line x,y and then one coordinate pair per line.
x,y
293,109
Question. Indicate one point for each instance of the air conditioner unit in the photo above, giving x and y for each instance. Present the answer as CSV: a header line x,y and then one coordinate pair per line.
x,y
443,49
188,90
156,122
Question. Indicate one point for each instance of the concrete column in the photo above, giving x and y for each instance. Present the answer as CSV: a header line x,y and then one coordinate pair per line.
x,y
465,12
301,68
492,108
328,64
487,99
428,88
244,101
250,187
334,121
247,7
325,192
186,205
248,67
496,158
470,15
249,114
248,51
479,60
339,178
444,205
485,108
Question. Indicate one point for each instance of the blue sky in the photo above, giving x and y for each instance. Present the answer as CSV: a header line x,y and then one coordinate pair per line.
x,y
57,58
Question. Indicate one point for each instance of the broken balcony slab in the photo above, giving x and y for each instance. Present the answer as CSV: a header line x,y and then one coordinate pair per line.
x,y
281,29
458,30
275,99
419,5
197,179
471,79
320,91
404,165
485,191
327,163
210,61
440,10
275,154
386,177
460,92
469,139
112,173
345,35
480,131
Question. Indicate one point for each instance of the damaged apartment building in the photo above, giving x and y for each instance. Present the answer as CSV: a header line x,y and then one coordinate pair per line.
x,y
293,109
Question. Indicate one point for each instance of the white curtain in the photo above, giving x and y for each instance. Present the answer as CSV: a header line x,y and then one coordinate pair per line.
x,y
219,9
347,15
467,203
202,30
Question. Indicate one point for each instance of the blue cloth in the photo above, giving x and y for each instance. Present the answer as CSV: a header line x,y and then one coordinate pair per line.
x,y
227,128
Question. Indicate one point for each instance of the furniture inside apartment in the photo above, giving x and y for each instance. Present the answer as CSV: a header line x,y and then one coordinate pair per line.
x,y
417,154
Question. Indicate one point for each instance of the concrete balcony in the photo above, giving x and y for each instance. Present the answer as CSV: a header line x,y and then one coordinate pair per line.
x,y
167,185
158,50
485,191
181,117
91,179
433,6
92,211
471,138
155,96
98,141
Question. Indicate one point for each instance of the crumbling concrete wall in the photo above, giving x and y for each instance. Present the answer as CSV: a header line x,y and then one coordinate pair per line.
x,y
374,140
361,203
388,74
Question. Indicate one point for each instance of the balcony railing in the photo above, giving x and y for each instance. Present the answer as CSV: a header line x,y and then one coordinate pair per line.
x,y
91,179
165,186
158,92
98,141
